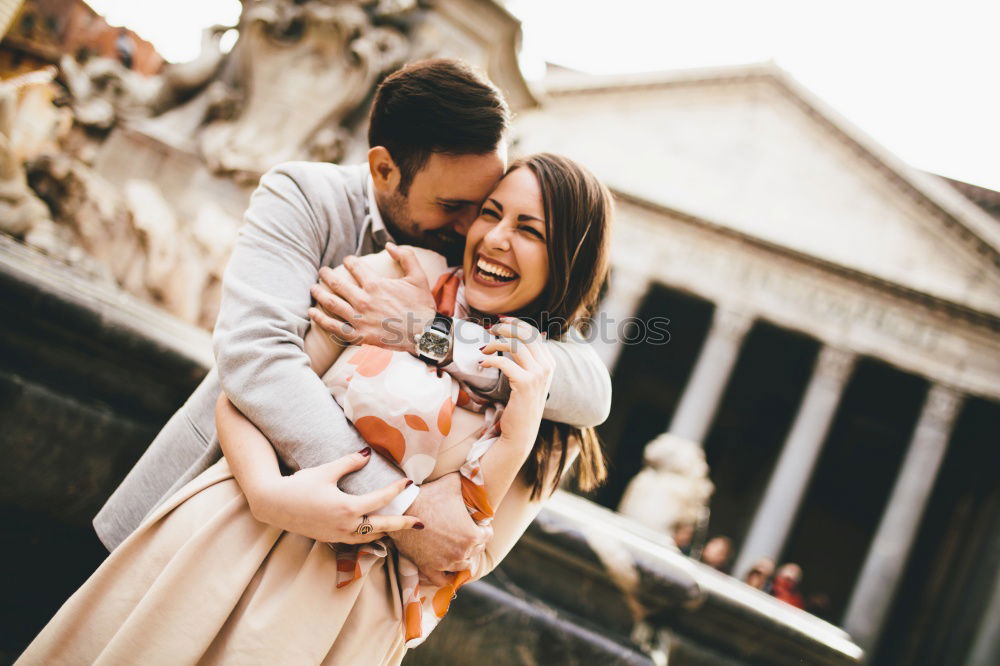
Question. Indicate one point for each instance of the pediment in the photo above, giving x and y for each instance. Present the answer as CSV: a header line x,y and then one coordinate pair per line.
x,y
749,153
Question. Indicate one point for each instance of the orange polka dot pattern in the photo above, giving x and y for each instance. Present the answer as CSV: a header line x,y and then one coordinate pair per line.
x,y
403,409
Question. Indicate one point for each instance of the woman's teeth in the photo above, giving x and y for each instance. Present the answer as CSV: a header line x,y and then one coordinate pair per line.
x,y
490,271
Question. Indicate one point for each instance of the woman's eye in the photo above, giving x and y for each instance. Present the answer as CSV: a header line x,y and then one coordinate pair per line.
x,y
490,213
531,231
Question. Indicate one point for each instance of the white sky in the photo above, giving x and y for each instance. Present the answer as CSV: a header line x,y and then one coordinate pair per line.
x,y
921,77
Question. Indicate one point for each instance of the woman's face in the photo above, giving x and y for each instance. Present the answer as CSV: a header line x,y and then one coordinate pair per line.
x,y
506,260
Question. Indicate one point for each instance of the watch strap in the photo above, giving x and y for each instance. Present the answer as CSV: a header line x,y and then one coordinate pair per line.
x,y
442,323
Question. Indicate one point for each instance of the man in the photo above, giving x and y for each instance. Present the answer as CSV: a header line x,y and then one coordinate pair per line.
x,y
437,149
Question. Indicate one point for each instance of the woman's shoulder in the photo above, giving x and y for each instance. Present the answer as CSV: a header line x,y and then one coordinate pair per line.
x,y
382,263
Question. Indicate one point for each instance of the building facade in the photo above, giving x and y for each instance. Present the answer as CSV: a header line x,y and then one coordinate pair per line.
x,y
834,342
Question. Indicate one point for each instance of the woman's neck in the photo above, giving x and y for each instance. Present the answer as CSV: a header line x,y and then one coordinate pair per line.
x,y
484,319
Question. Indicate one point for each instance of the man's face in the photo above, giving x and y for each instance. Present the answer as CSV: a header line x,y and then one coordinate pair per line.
x,y
443,200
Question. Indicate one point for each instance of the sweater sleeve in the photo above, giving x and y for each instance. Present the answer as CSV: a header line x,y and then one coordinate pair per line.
x,y
580,394
259,335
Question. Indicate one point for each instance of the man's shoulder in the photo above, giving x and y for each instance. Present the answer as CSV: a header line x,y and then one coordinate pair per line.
x,y
323,179
336,195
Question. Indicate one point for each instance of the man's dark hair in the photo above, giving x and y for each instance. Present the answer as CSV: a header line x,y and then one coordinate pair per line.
x,y
435,106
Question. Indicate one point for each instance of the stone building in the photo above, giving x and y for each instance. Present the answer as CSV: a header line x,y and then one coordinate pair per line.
x,y
834,341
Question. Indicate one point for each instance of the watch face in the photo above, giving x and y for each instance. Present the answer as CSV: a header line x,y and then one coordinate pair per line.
x,y
433,344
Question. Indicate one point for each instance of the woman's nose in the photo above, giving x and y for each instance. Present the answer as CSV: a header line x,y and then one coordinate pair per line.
x,y
498,237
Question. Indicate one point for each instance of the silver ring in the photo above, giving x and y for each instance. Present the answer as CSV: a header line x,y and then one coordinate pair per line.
x,y
365,527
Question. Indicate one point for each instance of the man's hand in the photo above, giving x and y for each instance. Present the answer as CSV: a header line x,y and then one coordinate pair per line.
x,y
371,309
451,539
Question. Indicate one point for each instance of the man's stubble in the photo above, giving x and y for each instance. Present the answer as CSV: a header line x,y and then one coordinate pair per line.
x,y
395,211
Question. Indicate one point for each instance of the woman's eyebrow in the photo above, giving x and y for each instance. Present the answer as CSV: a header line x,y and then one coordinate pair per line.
x,y
520,218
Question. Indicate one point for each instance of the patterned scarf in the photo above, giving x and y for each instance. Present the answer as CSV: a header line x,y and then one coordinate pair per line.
x,y
403,408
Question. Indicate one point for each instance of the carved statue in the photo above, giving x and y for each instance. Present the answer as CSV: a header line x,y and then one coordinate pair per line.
x,y
304,69
22,213
136,239
294,87
673,488
72,213
103,91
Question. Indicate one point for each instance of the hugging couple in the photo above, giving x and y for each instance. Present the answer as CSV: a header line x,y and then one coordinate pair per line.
x,y
384,421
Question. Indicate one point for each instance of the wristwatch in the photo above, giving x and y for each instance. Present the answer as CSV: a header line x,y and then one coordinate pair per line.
x,y
435,342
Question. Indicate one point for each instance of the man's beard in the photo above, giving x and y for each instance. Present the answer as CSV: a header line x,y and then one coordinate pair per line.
x,y
406,231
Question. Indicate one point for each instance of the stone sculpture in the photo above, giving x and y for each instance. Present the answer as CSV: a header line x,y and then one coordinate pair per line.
x,y
304,68
103,91
673,488
22,213
149,181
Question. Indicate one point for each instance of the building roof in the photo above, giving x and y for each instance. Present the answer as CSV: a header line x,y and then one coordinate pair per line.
x,y
985,198
965,216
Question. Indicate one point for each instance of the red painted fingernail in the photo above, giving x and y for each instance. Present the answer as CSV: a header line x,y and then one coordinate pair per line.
x,y
482,348
409,482
418,526
367,451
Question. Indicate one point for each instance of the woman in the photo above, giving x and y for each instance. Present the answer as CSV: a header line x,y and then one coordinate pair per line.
x,y
204,581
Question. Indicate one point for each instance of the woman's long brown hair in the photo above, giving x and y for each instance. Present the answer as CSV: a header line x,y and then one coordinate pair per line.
x,y
578,213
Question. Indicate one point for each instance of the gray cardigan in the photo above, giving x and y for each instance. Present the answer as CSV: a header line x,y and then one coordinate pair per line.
x,y
303,215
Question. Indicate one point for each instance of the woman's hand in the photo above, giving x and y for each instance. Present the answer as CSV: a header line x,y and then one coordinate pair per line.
x,y
528,365
309,503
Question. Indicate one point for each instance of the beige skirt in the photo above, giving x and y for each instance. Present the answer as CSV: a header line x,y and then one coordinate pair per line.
x,y
203,582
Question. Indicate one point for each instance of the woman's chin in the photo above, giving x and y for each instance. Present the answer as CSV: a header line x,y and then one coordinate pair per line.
x,y
497,299
485,303
489,301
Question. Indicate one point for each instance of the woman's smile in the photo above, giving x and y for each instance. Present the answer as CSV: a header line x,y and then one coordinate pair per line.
x,y
493,273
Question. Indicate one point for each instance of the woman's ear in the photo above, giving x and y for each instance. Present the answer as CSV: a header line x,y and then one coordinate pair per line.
x,y
385,172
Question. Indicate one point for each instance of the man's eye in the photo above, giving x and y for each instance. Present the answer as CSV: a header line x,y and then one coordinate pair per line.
x,y
452,207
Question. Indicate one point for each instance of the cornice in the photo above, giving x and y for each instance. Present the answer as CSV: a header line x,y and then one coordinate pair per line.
x,y
962,218
929,301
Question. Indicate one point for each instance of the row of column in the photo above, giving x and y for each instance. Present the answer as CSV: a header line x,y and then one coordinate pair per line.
x,y
883,565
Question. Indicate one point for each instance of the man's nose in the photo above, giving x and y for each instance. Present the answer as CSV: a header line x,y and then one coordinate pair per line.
x,y
463,223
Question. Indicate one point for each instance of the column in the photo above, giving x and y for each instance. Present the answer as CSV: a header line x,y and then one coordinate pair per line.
x,y
649,497
986,644
711,373
876,585
793,471
626,289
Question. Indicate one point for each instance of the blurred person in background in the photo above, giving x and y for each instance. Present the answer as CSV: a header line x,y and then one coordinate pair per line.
x,y
717,553
786,584
760,574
